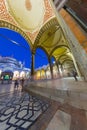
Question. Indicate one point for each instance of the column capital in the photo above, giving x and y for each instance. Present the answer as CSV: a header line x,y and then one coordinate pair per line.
x,y
33,52
49,58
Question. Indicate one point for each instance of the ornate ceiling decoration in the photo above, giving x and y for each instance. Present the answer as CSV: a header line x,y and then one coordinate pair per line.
x,y
66,60
52,23
27,15
24,14
64,56
36,22
49,36
51,39
5,24
58,51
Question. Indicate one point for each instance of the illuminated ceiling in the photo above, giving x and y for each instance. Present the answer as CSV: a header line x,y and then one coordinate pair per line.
x,y
35,20
27,16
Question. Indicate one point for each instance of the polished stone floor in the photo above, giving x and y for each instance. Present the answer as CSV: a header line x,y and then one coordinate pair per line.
x,y
68,118
60,121
19,110
67,109
65,90
71,99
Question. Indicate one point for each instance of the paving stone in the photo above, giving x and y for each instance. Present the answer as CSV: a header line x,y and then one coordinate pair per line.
x,y
60,121
17,113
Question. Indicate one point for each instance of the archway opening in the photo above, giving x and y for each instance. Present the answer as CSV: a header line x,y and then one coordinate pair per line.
x,y
13,44
41,59
41,63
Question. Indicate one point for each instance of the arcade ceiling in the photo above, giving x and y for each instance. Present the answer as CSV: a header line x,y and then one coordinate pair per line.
x,y
35,20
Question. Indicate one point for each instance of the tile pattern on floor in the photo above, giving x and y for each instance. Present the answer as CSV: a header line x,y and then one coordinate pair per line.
x,y
19,111
61,116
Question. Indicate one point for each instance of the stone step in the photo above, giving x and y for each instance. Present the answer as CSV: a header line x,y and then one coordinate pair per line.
x,y
73,97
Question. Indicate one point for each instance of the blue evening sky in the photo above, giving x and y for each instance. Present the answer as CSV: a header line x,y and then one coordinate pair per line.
x,y
19,50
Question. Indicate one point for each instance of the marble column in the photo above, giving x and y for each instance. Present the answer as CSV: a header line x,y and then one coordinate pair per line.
x,y
57,64
51,68
76,49
32,66
62,70
40,74
76,67
45,74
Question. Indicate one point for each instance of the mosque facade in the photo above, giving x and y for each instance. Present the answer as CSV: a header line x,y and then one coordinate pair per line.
x,y
11,68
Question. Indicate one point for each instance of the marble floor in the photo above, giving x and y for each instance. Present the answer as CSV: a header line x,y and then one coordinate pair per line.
x,y
60,121
65,90
71,98
30,111
19,110
68,118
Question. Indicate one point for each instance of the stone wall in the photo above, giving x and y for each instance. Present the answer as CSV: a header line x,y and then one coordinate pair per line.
x,y
77,50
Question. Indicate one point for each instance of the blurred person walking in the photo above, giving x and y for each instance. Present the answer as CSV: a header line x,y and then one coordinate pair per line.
x,y
16,84
75,75
22,83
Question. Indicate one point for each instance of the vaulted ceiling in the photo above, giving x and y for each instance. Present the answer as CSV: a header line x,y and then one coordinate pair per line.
x,y
36,21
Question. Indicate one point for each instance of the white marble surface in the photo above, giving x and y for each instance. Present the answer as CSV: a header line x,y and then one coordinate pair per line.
x,y
60,121
19,111
63,84
65,90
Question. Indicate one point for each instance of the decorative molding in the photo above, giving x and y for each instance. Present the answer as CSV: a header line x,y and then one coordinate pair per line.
x,y
5,24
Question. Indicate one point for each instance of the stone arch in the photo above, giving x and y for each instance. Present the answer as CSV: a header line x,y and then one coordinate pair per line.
x,y
40,47
64,55
59,46
4,24
53,57
66,61
45,55
47,25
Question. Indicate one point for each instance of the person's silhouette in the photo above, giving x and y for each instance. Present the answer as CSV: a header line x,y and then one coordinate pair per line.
x,y
75,75
22,83
16,84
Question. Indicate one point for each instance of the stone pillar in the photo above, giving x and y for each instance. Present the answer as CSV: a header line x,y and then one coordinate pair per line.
x,y
51,68
45,74
57,64
62,70
76,67
32,66
40,75
76,49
